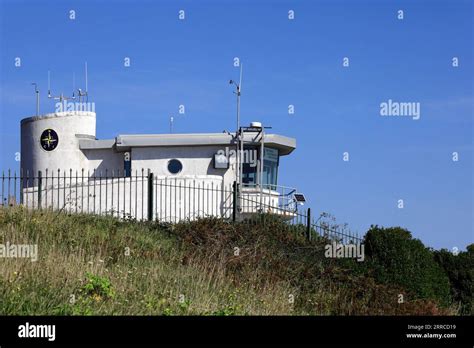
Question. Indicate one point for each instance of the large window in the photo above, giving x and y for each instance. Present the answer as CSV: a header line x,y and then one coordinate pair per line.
x,y
270,167
249,174
250,165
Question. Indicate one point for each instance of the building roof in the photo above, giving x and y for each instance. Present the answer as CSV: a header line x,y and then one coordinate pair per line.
x,y
124,142
58,115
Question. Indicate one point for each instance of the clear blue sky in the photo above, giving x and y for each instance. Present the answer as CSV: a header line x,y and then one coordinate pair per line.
x,y
286,62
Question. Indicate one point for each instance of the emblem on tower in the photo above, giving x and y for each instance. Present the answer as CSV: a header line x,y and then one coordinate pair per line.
x,y
49,140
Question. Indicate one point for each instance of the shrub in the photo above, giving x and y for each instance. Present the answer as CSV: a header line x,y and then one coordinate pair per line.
x,y
98,287
397,258
460,271
222,268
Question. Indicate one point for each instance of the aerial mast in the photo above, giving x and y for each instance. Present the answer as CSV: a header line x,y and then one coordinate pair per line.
x,y
238,133
60,97
85,93
37,98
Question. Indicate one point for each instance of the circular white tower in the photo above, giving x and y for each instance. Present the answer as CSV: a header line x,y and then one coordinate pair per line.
x,y
51,141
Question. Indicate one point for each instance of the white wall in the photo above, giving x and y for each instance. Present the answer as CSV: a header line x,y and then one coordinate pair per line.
x,y
196,160
173,199
67,155
103,159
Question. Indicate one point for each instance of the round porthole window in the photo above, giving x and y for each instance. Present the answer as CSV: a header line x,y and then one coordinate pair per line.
x,y
174,166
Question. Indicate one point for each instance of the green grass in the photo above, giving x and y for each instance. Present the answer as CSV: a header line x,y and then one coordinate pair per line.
x,y
91,265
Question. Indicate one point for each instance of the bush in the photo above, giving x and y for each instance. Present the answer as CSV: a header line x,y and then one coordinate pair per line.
x,y
98,287
398,259
221,268
460,271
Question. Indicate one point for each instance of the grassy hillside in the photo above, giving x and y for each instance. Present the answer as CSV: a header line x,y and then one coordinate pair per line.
x,y
99,265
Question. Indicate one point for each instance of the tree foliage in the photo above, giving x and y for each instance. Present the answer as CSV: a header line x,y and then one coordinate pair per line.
x,y
396,258
460,270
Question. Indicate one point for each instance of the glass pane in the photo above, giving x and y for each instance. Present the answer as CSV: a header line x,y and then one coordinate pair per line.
x,y
249,170
249,174
270,167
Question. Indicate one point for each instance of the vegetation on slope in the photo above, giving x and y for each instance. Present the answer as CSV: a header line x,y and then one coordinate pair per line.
x,y
99,265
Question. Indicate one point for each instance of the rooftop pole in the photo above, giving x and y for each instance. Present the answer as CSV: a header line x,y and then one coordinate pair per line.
x,y
37,98
239,88
238,133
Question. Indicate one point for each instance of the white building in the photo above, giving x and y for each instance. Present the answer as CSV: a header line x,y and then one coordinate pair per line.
x,y
193,174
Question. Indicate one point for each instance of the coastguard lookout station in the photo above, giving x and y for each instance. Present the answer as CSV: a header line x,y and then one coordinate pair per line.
x,y
169,177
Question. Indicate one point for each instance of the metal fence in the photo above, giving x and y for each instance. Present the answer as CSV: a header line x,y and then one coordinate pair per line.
x,y
303,220
143,196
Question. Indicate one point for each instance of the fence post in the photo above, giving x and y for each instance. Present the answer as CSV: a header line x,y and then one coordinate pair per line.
x,y
234,201
21,186
40,186
308,225
150,196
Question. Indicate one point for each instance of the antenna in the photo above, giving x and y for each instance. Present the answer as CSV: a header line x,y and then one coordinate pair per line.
x,y
73,83
37,98
86,77
238,92
85,93
240,82
61,97
238,134
49,84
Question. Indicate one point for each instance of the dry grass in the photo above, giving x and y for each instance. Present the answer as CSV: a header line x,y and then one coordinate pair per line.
x,y
187,269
